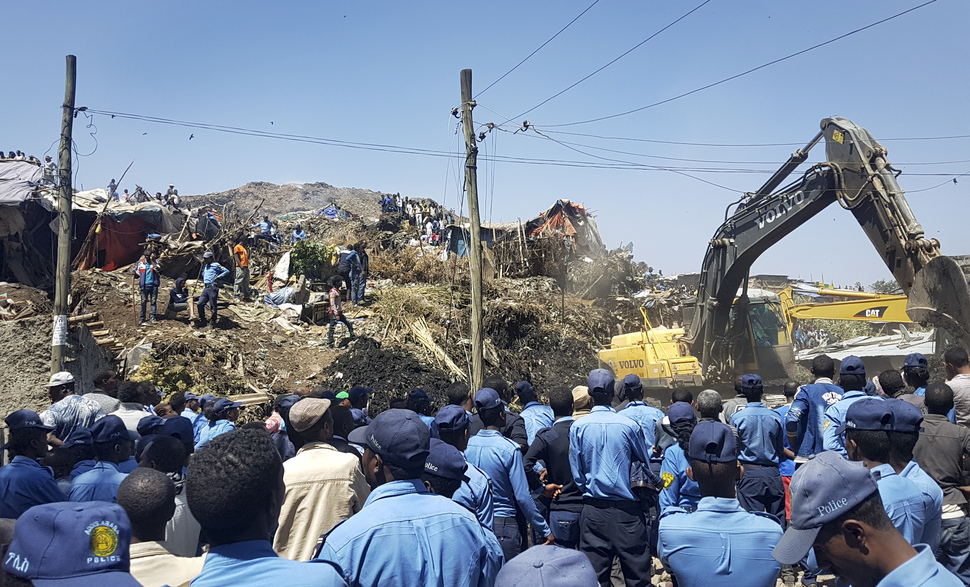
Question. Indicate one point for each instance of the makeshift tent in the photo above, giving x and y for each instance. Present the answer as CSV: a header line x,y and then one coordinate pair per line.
x,y
573,222
17,180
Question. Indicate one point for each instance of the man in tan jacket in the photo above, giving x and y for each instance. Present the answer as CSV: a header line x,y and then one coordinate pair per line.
x,y
323,486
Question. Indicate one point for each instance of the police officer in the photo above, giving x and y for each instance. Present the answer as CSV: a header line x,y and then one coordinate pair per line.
x,y
678,489
475,493
868,423
404,533
81,445
212,272
852,379
761,435
112,445
837,510
420,403
536,415
638,411
805,420
694,544
602,448
514,424
501,460
907,421
943,452
24,483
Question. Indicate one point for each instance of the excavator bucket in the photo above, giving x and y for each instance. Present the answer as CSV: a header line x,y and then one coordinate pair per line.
x,y
940,296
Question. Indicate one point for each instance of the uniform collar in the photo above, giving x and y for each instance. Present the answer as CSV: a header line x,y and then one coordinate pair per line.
x,y
106,465
635,403
909,468
854,393
396,489
488,432
883,470
563,419
935,418
22,460
719,504
825,380
755,405
530,404
245,550
602,409
916,571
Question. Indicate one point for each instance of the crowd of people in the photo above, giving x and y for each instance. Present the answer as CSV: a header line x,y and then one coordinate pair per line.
x,y
430,218
170,198
864,478
48,164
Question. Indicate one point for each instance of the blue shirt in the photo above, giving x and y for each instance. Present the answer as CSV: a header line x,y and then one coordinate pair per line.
x,y
265,227
902,500
537,417
82,467
198,423
602,448
932,503
919,571
24,483
835,417
211,272
951,415
647,417
806,416
500,459
128,466
211,430
405,535
99,484
429,420
476,496
787,466
297,235
719,544
679,490
253,562
761,434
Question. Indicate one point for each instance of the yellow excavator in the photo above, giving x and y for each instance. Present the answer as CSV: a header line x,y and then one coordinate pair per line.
x,y
731,329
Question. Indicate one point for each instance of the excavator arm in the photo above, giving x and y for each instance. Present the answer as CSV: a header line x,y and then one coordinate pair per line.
x,y
858,175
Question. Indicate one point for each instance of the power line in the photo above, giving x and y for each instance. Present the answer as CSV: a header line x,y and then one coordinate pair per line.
x,y
738,75
538,49
634,48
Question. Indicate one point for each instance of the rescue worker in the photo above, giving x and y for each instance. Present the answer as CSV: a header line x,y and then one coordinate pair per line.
x,y
761,437
148,282
212,272
852,380
298,234
720,543
24,483
805,421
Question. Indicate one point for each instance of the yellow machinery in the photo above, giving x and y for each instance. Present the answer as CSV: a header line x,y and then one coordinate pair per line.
x,y
656,355
866,307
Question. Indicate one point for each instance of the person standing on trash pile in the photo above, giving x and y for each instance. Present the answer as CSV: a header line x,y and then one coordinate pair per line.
x,y
212,272
364,260
298,234
348,262
179,298
148,281
336,311
240,257
267,231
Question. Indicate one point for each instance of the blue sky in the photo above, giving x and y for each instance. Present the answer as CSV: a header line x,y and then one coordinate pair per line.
x,y
388,73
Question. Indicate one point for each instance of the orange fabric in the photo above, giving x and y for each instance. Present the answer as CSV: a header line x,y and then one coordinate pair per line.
x,y
120,241
243,255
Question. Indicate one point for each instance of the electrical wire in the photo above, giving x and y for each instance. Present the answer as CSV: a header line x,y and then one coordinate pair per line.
x,y
622,55
738,75
529,56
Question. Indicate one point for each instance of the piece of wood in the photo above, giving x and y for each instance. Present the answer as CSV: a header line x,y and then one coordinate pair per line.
x,y
62,278
475,229
97,333
106,341
93,325
81,318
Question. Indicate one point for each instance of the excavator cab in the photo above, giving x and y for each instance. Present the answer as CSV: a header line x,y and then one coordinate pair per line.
x,y
760,338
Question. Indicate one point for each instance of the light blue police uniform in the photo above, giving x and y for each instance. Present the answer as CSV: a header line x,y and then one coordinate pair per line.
x,y
647,417
429,420
903,502
932,503
211,430
835,417
24,483
536,417
600,447
761,434
99,484
476,495
806,416
719,544
211,272
679,490
405,535
921,571
81,467
787,466
500,459
253,562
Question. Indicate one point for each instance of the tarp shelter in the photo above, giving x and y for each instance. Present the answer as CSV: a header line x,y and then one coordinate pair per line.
x,y
17,180
573,222
26,245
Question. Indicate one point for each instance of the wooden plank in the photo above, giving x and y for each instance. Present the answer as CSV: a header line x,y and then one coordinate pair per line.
x,y
107,341
81,318
93,325
97,333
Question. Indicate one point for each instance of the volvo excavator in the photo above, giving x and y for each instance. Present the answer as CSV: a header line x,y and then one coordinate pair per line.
x,y
730,330
859,177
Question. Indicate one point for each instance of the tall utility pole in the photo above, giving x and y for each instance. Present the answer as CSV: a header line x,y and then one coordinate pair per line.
x,y
62,285
471,186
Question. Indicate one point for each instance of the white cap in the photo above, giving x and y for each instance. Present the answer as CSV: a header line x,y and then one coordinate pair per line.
x,y
60,378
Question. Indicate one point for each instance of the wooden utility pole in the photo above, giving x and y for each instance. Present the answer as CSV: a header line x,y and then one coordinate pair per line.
x,y
62,284
471,186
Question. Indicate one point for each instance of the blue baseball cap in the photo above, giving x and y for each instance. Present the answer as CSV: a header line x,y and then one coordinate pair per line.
x,y
148,424
223,405
358,393
358,436
868,413
681,411
487,399
632,381
110,428
547,566
601,381
452,419
80,437
285,402
822,489
915,360
205,399
712,442
907,418
445,461
400,437
67,544
180,428
524,388
190,396
752,382
419,396
852,365
25,419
